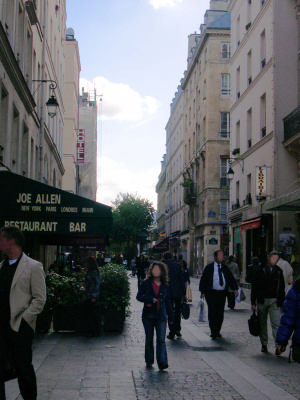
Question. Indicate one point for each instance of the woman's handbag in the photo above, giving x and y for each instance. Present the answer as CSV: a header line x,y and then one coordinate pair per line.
x,y
185,310
253,324
189,295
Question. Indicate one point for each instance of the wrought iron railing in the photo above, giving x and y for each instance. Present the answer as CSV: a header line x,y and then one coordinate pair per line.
x,y
292,124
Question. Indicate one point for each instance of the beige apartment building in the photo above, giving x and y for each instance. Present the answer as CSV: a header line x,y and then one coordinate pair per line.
x,y
161,242
87,161
71,122
206,86
174,217
264,71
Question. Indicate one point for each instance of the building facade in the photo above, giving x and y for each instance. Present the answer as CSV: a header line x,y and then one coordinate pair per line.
x,y
264,72
87,160
206,87
71,118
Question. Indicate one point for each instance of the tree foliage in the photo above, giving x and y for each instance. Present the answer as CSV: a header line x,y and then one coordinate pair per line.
x,y
132,217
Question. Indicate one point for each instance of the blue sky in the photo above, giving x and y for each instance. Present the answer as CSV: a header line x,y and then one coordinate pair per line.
x,y
134,53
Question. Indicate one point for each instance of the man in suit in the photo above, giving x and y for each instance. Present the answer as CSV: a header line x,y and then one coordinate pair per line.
x,y
177,292
214,284
22,298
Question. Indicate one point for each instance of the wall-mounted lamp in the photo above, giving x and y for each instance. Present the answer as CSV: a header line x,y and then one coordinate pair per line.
x,y
52,104
230,172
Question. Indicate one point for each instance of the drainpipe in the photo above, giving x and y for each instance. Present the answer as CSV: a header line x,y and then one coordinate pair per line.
x,y
42,113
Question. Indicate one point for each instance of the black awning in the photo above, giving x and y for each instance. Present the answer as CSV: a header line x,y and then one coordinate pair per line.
x,y
37,208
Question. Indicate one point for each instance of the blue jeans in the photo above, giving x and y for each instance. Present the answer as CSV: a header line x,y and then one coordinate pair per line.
x,y
161,350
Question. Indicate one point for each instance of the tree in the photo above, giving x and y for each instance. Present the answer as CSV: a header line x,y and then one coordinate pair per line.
x,y
132,217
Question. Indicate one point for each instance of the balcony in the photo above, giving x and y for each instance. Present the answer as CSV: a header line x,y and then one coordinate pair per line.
x,y
248,200
292,125
236,205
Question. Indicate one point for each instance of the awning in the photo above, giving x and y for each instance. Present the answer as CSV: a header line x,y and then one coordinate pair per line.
x,y
50,213
162,245
287,202
251,224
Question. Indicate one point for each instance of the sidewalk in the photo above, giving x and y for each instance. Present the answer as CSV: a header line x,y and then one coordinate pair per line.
x,y
112,366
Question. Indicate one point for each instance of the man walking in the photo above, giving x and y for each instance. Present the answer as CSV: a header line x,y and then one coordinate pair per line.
x,y
177,293
22,298
214,284
234,269
267,297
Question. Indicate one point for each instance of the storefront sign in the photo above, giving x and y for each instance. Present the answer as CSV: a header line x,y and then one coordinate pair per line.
x,y
80,145
261,181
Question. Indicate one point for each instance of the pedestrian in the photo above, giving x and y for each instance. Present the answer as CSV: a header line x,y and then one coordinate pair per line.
x,y
184,267
234,269
252,269
214,284
141,267
287,272
22,298
154,293
133,266
92,291
267,296
290,319
177,293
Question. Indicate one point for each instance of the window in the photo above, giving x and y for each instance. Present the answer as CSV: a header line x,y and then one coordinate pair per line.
x,y
249,127
263,115
249,67
225,51
225,84
238,134
224,167
238,30
204,90
223,210
238,82
263,48
225,124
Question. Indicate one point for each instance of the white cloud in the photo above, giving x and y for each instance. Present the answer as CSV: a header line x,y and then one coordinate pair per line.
x,y
164,3
121,102
115,178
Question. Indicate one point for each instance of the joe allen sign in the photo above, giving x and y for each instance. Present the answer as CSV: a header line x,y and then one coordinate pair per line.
x,y
261,181
80,145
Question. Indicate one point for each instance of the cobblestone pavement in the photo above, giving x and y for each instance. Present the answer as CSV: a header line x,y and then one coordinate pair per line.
x,y
112,366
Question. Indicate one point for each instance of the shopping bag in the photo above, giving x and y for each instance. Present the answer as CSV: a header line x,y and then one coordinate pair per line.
x,y
241,295
253,324
189,296
202,312
185,310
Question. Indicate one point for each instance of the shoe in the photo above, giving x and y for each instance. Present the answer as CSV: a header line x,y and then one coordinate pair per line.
x,y
178,334
148,365
264,349
171,336
219,335
163,366
213,336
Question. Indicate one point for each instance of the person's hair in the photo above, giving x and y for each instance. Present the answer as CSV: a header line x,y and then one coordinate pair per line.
x,y
163,269
274,253
91,264
216,253
167,255
12,232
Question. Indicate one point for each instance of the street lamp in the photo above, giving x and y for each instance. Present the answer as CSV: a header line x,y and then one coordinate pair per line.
x,y
52,104
230,172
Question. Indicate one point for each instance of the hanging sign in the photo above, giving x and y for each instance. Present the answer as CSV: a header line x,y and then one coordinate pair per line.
x,y
80,148
261,181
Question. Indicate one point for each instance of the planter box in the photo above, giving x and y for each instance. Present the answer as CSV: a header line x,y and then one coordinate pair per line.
x,y
113,320
69,318
43,322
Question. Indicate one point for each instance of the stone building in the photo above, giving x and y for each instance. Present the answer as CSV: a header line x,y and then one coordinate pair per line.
x,y
206,86
71,118
161,200
264,70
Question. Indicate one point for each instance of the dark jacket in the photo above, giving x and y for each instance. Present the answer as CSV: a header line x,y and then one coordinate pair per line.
x,y
92,284
206,281
259,284
176,279
290,319
146,296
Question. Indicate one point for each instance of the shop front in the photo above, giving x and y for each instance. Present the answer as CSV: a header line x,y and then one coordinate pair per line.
x,y
51,218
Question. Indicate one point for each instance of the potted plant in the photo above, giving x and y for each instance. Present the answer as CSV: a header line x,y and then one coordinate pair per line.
x,y
236,151
114,296
189,195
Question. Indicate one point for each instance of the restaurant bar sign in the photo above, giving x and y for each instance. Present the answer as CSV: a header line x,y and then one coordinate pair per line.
x,y
35,207
261,181
80,148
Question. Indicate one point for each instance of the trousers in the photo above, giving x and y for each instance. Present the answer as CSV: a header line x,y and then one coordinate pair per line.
x,y
20,344
177,305
161,350
215,303
271,308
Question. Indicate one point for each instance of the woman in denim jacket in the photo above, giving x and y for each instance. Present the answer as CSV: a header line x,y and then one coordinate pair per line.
x,y
157,310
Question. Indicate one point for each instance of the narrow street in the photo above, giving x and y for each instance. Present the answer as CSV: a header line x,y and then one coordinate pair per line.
x,y
112,366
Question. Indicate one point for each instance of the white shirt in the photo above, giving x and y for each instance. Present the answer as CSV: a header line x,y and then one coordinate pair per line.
x,y
216,280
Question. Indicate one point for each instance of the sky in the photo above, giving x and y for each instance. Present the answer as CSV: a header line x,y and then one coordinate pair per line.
x,y
133,52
